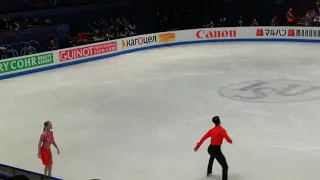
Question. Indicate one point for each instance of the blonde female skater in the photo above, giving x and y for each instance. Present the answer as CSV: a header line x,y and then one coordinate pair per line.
x,y
44,152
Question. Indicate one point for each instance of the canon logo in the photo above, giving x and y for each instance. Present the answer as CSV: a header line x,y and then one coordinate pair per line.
x,y
206,34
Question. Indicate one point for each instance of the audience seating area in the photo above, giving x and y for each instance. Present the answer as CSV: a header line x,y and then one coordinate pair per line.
x,y
311,17
34,32
21,35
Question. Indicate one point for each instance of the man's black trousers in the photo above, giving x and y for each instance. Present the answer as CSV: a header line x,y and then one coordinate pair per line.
x,y
215,153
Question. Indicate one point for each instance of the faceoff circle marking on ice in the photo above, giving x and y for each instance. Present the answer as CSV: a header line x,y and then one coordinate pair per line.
x,y
272,91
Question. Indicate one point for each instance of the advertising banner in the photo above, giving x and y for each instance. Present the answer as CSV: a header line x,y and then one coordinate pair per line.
x,y
216,34
275,32
88,51
305,32
167,37
148,40
288,32
26,62
139,41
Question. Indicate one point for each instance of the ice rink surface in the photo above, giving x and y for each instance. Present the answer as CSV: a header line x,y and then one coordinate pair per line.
x,y
138,116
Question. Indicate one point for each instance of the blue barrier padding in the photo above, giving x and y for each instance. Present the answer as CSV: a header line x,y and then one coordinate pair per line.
x,y
4,176
151,47
26,171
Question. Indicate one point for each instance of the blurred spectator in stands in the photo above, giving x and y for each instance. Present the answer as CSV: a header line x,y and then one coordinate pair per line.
x,y
108,36
316,20
221,22
317,4
5,24
48,22
8,24
12,25
103,23
316,11
73,42
129,28
175,23
35,22
53,45
26,24
16,26
240,21
307,20
121,34
110,29
254,22
82,38
274,21
119,25
290,17
54,2
96,29
3,52
209,25
314,14
30,50
165,21
160,23
132,27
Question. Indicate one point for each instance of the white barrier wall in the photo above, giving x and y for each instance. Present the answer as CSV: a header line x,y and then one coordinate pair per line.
x,y
55,59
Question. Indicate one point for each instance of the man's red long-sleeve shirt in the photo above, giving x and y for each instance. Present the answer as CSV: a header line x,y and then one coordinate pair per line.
x,y
217,134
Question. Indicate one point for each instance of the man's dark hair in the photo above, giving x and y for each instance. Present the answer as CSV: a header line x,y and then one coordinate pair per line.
x,y
216,120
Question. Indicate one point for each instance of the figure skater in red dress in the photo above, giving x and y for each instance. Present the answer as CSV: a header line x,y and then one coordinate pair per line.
x,y
44,152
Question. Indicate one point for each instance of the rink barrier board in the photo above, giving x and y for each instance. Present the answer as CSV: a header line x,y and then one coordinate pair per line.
x,y
41,176
101,57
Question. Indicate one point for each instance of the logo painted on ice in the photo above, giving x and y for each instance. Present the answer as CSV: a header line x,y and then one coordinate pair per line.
x,y
272,91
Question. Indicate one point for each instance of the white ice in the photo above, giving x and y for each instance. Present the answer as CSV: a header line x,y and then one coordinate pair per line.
x,y
138,116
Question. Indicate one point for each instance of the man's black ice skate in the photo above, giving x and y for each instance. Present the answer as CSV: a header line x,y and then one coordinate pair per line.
x,y
209,173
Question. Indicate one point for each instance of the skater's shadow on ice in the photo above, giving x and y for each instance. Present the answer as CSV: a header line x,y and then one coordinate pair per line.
x,y
230,177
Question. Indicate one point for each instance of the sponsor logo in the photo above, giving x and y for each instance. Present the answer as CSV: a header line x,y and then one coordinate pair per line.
x,y
212,34
307,33
138,41
288,32
123,44
275,32
272,91
26,63
88,51
168,37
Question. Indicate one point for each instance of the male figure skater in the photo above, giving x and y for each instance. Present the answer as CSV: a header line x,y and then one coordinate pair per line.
x,y
217,134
